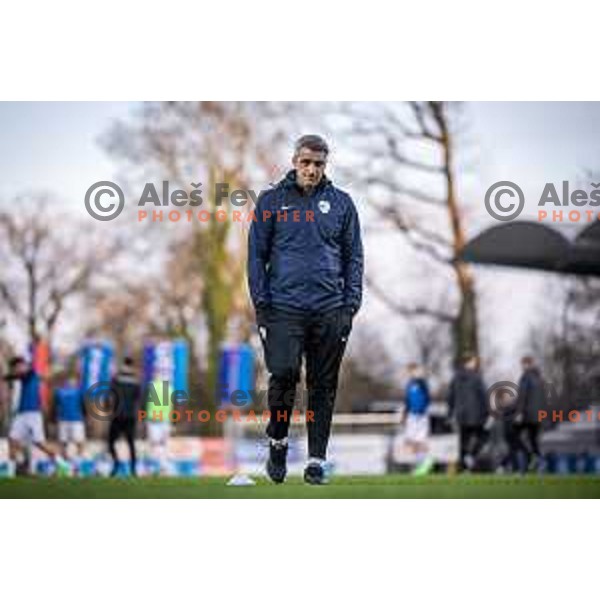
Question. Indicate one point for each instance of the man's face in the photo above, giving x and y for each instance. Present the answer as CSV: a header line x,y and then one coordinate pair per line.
x,y
471,364
415,372
310,167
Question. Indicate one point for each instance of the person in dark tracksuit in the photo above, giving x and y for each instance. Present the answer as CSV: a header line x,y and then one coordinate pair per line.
x,y
305,272
467,403
128,391
523,430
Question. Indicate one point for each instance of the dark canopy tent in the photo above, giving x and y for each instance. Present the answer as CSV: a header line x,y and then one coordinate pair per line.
x,y
591,234
536,246
585,253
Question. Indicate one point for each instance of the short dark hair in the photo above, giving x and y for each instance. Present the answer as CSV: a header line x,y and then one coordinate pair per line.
x,y
313,142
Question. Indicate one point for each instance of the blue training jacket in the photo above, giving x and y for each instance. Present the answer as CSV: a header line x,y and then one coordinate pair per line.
x,y
305,252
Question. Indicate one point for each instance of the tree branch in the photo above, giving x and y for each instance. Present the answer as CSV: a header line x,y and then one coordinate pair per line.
x,y
419,311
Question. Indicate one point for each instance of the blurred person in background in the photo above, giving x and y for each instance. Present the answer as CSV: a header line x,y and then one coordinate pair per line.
x,y
416,419
467,404
128,392
11,391
27,424
69,408
532,399
158,426
507,407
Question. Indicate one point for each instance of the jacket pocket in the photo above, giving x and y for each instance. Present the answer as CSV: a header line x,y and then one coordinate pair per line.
x,y
328,280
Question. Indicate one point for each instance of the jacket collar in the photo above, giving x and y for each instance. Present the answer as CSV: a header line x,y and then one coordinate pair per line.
x,y
289,182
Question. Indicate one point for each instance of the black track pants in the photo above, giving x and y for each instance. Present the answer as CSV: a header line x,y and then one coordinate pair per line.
x,y
319,337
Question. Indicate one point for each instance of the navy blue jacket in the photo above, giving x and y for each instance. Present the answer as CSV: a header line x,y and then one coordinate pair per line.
x,y
467,398
302,264
532,395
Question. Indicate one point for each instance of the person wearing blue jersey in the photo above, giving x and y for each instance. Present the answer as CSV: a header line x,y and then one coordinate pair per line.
x,y
416,419
70,414
27,427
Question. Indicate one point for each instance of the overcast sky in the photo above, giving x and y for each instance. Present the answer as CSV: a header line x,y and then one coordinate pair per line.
x,y
54,147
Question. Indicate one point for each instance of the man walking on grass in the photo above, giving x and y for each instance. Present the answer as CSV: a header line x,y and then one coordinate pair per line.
x,y
305,271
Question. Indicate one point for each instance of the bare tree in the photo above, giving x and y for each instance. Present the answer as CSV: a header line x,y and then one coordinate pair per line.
x,y
368,373
46,263
567,343
231,143
6,349
432,342
122,314
408,168
166,303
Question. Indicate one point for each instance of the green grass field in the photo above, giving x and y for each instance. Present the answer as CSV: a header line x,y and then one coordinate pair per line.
x,y
389,486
